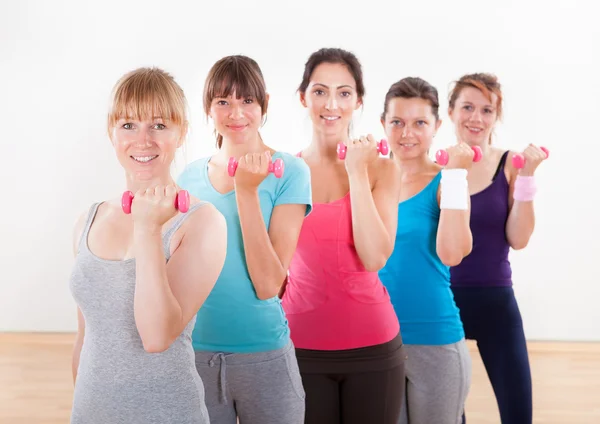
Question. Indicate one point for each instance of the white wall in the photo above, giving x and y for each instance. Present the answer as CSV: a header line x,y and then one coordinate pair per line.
x,y
59,61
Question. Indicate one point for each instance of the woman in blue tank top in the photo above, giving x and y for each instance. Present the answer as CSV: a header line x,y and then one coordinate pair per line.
x,y
502,217
433,234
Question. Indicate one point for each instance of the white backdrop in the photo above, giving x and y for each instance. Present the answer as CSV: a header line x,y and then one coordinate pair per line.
x,y
60,59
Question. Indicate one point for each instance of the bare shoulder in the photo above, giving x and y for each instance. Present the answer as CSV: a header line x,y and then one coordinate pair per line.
x,y
385,170
78,229
104,209
509,170
207,218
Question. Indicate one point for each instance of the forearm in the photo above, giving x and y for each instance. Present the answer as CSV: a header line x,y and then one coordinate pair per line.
x,y
76,356
520,224
371,239
156,309
454,238
264,266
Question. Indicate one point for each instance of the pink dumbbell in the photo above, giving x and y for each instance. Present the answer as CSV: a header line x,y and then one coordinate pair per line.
x,y
518,160
182,201
276,167
441,156
382,147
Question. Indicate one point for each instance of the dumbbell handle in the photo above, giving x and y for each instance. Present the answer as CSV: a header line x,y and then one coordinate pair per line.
x,y
518,160
442,157
382,147
182,201
277,167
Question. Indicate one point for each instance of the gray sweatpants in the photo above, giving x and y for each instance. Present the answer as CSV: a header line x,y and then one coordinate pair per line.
x,y
259,388
438,379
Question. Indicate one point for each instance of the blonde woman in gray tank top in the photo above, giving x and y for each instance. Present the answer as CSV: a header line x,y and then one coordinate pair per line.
x,y
141,275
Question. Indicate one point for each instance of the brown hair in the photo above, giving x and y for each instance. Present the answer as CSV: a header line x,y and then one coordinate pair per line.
x,y
145,93
235,73
486,83
410,88
334,55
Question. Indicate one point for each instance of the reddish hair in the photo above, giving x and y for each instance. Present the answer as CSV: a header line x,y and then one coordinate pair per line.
x,y
486,83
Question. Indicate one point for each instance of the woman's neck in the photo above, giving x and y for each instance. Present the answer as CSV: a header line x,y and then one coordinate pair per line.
x,y
229,148
138,182
413,166
324,146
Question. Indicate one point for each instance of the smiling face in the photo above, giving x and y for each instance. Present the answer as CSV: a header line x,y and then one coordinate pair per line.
x,y
146,148
410,126
237,119
331,98
147,123
474,116
235,98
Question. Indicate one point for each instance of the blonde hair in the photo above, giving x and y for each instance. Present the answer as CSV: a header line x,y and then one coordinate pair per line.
x,y
147,93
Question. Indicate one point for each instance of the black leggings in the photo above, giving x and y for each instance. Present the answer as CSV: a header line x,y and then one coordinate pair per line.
x,y
356,386
491,316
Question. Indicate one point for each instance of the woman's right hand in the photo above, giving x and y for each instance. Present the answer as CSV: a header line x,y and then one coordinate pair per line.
x,y
360,153
153,207
460,156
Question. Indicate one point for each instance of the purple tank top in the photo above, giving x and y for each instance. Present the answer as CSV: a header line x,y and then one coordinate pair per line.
x,y
487,265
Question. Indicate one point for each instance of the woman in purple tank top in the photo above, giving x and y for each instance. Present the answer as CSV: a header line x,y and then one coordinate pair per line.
x,y
502,217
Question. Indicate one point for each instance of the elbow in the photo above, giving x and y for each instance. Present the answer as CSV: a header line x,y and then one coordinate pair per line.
x,y
453,257
271,289
156,343
519,244
451,260
376,264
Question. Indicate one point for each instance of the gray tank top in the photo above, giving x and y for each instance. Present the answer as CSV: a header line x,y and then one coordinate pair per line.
x,y
117,380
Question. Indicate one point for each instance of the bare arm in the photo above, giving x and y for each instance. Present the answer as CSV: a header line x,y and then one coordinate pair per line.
x,y
268,254
375,213
454,239
521,218
167,296
77,233
78,344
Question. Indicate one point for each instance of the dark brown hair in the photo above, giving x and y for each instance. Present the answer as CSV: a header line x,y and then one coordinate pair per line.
x,y
334,55
410,88
235,73
486,83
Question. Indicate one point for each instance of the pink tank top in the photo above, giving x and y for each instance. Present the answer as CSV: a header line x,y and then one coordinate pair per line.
x,y
331,301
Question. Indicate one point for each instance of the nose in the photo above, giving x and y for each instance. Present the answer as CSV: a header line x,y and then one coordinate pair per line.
x,y
406,132
331,103
236,112
144,138
475,116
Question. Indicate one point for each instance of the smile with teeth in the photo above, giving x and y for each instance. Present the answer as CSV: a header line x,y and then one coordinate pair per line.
x,y
330,118
144,159
474,129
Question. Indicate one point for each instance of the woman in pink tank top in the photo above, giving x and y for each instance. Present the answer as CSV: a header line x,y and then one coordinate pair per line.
x,y
342,323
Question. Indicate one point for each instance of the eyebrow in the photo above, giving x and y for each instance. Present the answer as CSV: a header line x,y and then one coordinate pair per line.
x,y
464,102
421,118
341,86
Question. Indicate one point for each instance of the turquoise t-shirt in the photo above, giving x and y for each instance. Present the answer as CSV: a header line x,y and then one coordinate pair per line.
x,y
233,319
417,280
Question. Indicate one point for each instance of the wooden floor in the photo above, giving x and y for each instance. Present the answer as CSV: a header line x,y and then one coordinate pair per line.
x,y
36,385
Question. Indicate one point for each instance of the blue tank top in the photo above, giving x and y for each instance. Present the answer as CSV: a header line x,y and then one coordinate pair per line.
x,y
487,265
417,280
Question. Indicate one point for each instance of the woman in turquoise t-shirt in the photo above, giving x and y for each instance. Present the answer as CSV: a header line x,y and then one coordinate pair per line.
x,y
433,233
242,340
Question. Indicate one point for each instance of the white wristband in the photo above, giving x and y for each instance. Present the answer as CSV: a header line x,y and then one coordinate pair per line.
x,y
454,189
